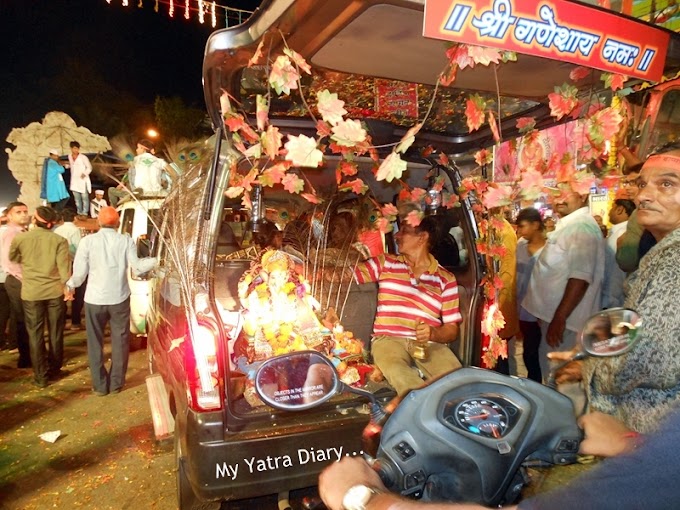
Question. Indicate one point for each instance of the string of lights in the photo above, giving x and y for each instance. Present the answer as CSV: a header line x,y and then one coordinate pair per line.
x,y
198,9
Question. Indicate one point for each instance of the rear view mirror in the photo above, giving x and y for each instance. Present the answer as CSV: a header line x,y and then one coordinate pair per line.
x,y
296,381
611,332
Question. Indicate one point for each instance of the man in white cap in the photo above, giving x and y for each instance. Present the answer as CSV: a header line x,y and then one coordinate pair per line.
x,y
97,203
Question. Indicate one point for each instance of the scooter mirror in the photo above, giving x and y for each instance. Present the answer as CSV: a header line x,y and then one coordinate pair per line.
x,y
297,381
611,332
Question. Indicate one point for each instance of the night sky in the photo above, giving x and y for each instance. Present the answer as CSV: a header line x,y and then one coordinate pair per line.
x,y
134,49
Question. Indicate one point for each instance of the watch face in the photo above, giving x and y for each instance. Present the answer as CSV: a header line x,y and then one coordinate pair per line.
x,y
357,497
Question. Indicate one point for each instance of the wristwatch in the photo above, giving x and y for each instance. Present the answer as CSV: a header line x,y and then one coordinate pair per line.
x,y
357,497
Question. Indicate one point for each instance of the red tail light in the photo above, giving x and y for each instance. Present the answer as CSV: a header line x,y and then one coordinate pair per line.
x,y
203,367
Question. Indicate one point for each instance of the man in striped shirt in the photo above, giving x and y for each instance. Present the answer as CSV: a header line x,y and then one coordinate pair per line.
x,y
417,304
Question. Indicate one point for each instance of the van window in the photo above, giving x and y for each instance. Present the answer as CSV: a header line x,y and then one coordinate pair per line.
x,y
128,221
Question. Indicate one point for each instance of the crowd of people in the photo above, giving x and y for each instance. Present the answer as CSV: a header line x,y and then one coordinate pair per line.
x,y
563,277
46,262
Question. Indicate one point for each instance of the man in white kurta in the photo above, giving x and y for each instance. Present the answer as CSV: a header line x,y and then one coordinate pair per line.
x,y
80,179
566,281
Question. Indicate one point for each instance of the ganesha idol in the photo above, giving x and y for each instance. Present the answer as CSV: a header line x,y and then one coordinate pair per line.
x,y
280,316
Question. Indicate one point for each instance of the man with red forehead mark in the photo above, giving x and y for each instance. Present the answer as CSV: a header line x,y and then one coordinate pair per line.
x,y
642,386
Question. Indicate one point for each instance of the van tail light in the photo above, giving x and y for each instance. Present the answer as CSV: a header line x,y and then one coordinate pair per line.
x,y
202,367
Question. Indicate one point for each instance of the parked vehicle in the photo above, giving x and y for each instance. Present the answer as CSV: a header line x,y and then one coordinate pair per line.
x,y
228,445
137,218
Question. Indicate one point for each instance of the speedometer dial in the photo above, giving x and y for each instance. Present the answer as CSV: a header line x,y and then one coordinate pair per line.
x,y
482,417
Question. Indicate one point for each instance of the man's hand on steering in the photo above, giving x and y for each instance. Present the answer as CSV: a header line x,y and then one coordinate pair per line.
x,y
339,477
605,436
571,372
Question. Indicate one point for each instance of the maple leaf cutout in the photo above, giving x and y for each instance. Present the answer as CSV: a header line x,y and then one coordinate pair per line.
x,y
414,218
389,211
299,60
613,81
254,60
283,76
311,198
603,126
348,133
357,186
563,101
525,124
272,175
450,200
494,127
323,129
302,151
408,139
292,183
234,191
417,194
497,196
531,185
271,141
459,57
582,181
348,168
474,112
483,157
262,112
579,73
391,168
483,55
330,107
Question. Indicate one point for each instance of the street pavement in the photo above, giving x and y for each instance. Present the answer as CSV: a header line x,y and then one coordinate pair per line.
x,y
106,456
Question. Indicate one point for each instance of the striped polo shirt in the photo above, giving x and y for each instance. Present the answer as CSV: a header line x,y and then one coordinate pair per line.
x,y
404,299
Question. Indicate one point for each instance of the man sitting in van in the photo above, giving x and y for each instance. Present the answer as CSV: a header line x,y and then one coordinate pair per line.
x,y
417,312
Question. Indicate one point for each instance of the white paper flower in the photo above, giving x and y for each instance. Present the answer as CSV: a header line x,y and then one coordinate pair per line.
x,y
302,151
